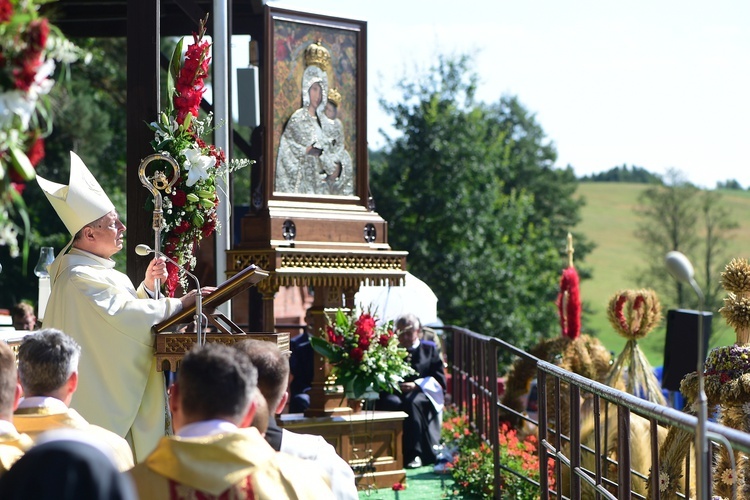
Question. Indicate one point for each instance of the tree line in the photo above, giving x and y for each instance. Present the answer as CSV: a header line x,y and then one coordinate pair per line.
x,y
639,175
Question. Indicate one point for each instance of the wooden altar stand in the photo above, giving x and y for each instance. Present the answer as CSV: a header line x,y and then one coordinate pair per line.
x,y
335,276
370,441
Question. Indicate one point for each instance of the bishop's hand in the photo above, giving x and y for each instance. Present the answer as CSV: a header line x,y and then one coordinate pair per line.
x,y
157,270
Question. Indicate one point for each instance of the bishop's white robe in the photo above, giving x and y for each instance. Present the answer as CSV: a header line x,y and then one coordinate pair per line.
x,y
119,388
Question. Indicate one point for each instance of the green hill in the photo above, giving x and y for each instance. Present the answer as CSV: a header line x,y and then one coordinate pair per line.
x,y
609,219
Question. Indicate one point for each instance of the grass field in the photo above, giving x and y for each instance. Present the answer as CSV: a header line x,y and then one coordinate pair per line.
x,y
609,220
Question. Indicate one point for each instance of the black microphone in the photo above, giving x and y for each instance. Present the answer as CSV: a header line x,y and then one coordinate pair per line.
x,y
144,250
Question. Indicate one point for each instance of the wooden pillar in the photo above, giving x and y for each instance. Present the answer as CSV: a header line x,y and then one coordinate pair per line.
x,y
143,105
349,297
322,404
268,290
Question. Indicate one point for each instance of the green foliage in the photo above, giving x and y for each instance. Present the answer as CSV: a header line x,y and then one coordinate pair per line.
x,y
469,190
636,175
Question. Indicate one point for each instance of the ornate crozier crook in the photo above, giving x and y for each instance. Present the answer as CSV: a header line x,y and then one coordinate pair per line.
x,y
157,183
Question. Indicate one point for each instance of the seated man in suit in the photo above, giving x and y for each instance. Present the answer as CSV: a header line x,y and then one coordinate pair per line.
x,y
301,366
213,453
12,444
273,374
421,397
48,371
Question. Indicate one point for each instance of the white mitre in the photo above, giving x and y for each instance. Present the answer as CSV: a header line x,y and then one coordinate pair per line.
x,y
79,203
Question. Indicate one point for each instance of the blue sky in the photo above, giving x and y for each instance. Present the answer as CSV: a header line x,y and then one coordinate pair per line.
x,y
658,84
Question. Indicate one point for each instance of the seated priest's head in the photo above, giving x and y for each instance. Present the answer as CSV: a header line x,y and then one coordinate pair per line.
x,y
273,371
23,316
408,329
10,390
262,414
48,365
214,382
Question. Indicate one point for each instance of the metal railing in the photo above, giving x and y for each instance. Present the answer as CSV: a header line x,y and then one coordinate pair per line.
x,y
580,469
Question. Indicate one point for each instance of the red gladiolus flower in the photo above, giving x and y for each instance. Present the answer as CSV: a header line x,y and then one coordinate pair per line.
x,y
331,334
365,326
36,152
364,343
218,154
183,87
171,245
190,98
36,36
180,118
356,354
179,198
172,280
6,10
182,228
25,75
210,226
384,339
189,70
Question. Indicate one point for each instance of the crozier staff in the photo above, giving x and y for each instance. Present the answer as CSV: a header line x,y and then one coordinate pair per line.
x,y
99,307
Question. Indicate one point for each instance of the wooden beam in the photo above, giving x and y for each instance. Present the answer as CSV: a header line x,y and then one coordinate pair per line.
x,y
143,47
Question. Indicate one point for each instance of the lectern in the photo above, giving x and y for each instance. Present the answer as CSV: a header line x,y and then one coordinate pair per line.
x,y
174,338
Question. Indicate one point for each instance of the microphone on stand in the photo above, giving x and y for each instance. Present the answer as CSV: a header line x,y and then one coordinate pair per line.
x,y
682,270
144,250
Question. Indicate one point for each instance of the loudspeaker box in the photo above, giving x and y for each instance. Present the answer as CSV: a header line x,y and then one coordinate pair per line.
x,y
681,345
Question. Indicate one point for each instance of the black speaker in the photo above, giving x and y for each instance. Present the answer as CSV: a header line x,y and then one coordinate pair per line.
x,y
681,345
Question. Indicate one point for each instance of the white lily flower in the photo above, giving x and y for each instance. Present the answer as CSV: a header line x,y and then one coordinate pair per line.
x,y
196,164
9,236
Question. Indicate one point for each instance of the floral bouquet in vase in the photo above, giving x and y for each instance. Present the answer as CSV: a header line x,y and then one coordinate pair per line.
x,y
190,205
364,357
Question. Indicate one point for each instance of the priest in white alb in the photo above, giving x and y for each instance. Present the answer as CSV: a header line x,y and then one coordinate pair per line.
x,y
119,387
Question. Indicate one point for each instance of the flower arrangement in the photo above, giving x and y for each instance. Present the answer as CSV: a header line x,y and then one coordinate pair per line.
x,y
30,47
472,465
190,205
363,356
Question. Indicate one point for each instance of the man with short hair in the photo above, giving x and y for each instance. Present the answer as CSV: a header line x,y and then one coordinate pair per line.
x,y
273,377
212,455
23,317
12,444
48,372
